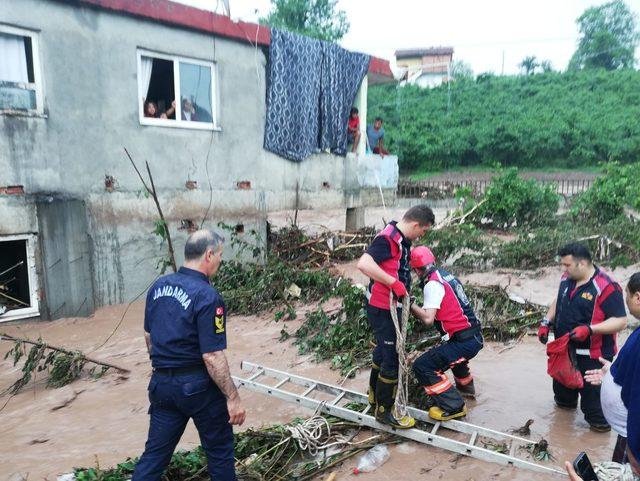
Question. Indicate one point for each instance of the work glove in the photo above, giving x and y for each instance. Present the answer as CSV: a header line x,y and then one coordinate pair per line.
x,y
399,289
543,331
580,333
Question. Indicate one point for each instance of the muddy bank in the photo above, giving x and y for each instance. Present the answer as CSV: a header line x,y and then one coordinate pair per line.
x,y
48,432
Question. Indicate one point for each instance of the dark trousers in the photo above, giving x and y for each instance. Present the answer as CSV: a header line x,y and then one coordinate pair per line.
x,y
385,356
174,400
620,451
430,367
589,394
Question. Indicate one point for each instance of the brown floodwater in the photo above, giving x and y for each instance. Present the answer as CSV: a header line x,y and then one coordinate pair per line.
x,y
46,432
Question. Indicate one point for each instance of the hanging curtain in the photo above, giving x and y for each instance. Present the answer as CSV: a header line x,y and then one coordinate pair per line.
x,y
342,74
293,91
311,87
146,66
13,59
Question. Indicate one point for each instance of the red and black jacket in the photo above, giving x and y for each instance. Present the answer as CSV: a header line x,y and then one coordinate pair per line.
x,y
391,251
590,304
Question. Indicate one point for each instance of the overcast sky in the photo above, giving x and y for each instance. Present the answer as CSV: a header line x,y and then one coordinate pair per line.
x,y
481,32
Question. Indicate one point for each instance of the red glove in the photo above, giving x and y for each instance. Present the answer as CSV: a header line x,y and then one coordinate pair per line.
x,y
543,334
399,289
580,333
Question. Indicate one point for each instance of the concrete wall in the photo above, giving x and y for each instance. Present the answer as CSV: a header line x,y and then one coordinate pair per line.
x,y
88,60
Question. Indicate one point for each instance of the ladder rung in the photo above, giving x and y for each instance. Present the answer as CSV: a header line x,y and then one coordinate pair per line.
x,y
256,375
367,409
474,436
337,399
512,448
281,382
436,426
311,388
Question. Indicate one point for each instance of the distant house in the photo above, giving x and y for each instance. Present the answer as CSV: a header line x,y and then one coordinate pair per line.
x,y
426,67
75,231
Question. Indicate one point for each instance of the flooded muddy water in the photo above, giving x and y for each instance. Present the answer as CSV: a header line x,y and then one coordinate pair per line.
x,y
46,432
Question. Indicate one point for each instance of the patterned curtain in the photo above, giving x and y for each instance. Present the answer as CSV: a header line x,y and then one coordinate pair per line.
x,y
311,86
342,74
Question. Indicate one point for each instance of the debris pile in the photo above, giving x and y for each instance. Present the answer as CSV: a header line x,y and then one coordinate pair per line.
x,y
300,450
291,244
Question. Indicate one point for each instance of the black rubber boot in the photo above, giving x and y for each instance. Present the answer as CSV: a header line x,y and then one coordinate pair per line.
x,y
385,400
466,390
373,382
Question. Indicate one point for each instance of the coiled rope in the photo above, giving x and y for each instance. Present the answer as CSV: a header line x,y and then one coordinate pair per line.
x,y
402,394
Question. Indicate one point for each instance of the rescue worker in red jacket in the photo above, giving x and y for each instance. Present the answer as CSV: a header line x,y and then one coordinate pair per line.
x,y
589,307
386,263
446,305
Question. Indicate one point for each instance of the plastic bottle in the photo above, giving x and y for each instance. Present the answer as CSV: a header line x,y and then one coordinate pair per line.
x,y
373,459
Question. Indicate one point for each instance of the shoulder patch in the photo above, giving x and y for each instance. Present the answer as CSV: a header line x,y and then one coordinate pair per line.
x,y
219,324
219,311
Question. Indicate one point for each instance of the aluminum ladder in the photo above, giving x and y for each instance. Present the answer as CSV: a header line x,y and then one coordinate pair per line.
x,y
436,436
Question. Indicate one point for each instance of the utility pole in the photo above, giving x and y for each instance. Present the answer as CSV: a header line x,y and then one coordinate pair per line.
x,y
502,62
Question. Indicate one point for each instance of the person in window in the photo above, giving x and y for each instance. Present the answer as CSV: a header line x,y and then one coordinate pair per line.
x,y
188,110
151,110
353,129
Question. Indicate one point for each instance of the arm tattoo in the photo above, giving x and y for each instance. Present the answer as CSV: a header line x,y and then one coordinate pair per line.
x,y
218,369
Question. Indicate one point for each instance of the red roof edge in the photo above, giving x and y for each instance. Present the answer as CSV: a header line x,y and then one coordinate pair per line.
x,y
181,15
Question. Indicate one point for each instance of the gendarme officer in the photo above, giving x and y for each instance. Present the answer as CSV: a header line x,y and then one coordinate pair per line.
x,y
185,332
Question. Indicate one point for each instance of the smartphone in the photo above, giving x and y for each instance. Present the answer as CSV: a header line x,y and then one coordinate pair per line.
x,y
583,467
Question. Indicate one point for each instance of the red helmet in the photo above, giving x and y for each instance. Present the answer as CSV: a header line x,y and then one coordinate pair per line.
x,y
421,256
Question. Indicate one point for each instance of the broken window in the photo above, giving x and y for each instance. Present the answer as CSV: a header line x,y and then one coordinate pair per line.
x,y
19,72
176,92
18,291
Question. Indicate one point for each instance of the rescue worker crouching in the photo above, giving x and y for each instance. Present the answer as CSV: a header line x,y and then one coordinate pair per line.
x,y
386,263
446,305
590,308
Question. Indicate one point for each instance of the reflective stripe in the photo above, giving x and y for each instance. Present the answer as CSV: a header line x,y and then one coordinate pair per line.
x,y
445,338
583,352
438,388
464,380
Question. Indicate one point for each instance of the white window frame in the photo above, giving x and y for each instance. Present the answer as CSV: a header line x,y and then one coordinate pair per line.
x,y
34,309
178,122
37,72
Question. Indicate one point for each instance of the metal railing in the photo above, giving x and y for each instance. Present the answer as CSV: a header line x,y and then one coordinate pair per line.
x,y
439,189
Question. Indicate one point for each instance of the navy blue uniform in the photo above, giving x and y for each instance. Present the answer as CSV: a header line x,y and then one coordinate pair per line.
x,y
186,318
590,304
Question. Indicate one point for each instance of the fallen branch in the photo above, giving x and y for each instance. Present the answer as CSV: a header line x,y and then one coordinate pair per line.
x,y
92,360
151,190
62,365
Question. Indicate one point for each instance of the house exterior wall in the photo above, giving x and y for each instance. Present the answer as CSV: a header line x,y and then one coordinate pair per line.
x,y
88,60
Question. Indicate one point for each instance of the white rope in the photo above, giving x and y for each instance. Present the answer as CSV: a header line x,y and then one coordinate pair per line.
x,y
402,395
610,471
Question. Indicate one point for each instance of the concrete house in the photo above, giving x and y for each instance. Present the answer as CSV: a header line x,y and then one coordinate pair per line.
x,y
75,229
426,67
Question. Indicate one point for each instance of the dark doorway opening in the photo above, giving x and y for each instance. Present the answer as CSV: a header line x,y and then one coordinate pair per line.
x,y
15,291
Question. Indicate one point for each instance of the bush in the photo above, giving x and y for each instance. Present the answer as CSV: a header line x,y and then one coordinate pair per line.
x,y
572,119
513,201
609,194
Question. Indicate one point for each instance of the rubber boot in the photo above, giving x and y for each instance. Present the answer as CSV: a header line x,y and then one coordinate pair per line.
x,y
439,415
385,400
373,382
467,389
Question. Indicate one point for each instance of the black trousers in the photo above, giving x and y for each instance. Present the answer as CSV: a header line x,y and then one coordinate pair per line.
x,y
589,394
384,354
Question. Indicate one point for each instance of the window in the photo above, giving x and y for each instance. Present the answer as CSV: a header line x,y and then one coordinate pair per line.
x,y
20,84
176,91
18,279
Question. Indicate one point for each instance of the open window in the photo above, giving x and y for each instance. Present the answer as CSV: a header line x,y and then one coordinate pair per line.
x,y
176,91
20,83
18,280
